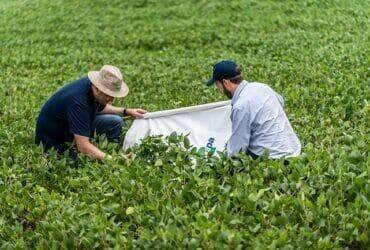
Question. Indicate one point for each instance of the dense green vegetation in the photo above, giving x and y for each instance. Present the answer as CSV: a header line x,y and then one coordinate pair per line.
x,y
315,53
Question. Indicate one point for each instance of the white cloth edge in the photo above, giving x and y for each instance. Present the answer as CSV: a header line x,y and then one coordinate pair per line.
x,y
186,109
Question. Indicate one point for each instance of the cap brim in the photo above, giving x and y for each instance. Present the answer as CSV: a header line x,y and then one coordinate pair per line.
x,y
94,77
210,82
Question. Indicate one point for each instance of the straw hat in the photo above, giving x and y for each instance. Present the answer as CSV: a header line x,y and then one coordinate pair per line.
x,y
109,81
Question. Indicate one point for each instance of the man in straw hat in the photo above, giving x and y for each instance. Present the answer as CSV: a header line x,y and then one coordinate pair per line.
x,y
81,108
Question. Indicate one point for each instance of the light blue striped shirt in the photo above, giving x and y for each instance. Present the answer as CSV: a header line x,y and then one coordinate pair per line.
x,y
259,123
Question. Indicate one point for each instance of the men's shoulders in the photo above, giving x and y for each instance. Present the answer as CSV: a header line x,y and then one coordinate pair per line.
x,y
250,99
83,81
80,86
242,105
263,87
257,85
244,99
256,91
79,90
253,93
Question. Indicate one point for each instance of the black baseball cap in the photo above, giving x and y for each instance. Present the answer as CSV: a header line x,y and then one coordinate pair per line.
x,y
225,69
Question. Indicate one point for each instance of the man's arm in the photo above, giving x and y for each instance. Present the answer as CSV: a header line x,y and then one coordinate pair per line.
x,y
86,147
79,125
110,109
241,129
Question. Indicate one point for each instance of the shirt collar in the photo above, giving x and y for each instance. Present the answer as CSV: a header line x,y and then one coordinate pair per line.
x,y
237,92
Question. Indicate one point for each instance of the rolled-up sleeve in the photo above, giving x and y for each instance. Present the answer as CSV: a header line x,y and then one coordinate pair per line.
x,y
241,129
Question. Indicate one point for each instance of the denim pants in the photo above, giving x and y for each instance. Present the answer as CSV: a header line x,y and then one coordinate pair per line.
x,y
104,124
108,125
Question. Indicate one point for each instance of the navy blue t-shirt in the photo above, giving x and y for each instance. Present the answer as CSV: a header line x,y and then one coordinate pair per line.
x,y
71,110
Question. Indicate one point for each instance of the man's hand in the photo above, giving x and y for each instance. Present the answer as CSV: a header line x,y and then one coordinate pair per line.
x,y
128,158
136,113
108,157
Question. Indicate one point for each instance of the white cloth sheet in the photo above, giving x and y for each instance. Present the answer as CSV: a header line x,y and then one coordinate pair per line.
x,y
206,125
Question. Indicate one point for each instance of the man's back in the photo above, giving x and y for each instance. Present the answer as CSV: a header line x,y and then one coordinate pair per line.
x,y
69,111
260,123
56,107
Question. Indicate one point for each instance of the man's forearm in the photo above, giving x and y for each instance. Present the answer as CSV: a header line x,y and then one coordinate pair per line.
x,y
89,149
135,113
110,109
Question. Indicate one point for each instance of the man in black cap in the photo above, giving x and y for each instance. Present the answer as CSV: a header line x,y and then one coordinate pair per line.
x,y
259,122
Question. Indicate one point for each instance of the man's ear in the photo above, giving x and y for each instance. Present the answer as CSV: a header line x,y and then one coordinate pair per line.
x,y
226,83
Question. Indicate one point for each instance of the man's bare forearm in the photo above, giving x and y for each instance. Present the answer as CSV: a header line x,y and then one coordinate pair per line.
x,y
92,151
86,147
110,109
135,113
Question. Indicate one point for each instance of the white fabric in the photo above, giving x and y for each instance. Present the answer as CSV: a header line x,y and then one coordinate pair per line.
x,y
206,125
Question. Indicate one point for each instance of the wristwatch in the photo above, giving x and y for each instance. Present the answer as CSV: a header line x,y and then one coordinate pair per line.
x,y
124,113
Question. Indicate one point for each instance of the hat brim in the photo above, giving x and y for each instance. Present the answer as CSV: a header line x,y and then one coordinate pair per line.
x,y
95,79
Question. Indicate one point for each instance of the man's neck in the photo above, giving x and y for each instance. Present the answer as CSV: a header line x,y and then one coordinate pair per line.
x,y
237,90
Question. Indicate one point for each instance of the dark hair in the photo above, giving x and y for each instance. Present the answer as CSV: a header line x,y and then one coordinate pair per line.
x,y
237,79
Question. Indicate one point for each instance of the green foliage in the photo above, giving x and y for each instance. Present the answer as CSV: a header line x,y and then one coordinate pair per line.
x,y
315,53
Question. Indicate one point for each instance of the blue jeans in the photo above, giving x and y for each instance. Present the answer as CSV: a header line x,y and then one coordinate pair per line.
x,y
108,125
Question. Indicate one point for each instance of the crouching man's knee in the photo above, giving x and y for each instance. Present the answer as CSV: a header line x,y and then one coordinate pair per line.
x,y
109,125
